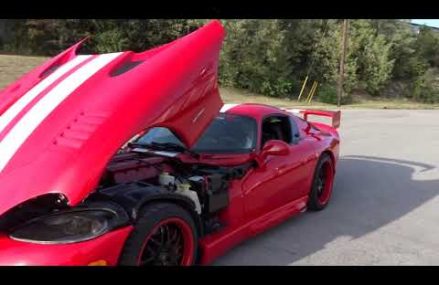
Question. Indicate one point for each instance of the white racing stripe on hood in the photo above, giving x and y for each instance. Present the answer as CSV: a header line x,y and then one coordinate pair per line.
x,y
33,118
21,103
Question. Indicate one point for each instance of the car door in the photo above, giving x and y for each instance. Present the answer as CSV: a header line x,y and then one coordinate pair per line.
x,y
296,170
281,179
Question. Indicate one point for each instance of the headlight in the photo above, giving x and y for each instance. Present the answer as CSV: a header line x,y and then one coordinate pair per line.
x,y
65,227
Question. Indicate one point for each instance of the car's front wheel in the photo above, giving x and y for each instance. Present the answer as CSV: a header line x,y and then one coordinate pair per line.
x,y
323,181
164,235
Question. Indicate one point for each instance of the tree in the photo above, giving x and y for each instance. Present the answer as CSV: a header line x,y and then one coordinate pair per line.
x,y
370,51
427,44
254,57
271,57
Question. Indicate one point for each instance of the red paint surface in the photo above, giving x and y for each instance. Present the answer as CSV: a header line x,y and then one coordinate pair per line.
x,y
268,195
107,247
175,87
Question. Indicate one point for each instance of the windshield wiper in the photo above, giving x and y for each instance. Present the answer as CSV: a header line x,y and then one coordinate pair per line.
x,y
175,147
134,145
166,146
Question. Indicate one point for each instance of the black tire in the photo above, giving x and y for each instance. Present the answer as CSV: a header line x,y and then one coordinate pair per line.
x,y
314,202
149,218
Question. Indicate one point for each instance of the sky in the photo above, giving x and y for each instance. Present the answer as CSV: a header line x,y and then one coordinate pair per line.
x,y
427,22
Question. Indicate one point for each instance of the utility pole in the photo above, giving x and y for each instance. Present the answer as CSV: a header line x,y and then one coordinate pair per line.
x,y
342,60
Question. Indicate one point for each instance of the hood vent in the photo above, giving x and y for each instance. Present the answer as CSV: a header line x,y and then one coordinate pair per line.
x,y
78,131
125,67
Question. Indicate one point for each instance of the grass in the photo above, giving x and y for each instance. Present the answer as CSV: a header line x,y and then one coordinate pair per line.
x,y
13,66
232,95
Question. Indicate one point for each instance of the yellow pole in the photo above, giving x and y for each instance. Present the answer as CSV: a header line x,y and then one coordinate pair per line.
x,y
310,91
314,92
303,88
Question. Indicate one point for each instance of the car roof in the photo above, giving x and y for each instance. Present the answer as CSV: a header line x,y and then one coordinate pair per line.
x,y
256,111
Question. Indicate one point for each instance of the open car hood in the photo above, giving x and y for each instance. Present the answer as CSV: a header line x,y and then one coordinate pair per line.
x,y
63,121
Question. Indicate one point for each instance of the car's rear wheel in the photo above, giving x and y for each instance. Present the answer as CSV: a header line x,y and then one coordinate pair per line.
x,y
322,184
164,235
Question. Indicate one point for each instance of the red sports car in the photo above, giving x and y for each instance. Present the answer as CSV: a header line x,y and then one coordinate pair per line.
x,y
132,159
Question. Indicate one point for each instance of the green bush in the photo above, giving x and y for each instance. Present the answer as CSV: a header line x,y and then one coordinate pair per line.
x,y
426,87
277,88
110,41
328,94
270,57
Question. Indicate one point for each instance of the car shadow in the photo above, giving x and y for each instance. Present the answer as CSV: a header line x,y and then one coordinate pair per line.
x,y
369,193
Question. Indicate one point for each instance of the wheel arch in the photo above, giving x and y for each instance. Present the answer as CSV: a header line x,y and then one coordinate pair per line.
x,y
331,155
314,202
183,202
132,198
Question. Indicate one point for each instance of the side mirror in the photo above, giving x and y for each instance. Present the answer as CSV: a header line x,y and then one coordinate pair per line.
x,y
274,147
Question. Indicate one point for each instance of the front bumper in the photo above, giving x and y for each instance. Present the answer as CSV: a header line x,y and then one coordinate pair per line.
x,y
104,250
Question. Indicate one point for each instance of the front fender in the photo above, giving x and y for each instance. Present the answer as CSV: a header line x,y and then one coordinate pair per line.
x,y
134,196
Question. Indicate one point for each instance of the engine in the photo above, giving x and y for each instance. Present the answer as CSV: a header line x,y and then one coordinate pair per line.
x,y
205,185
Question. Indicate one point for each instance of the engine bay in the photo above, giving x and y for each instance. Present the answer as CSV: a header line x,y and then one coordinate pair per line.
x,y
207,186
132,178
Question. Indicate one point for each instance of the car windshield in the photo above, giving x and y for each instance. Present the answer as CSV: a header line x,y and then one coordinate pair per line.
x,y
227,133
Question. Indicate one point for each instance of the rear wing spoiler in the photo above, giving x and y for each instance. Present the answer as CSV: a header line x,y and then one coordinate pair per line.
x,y
334,115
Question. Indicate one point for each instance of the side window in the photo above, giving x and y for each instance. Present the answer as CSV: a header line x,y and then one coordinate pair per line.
x,y
295,133
276,128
